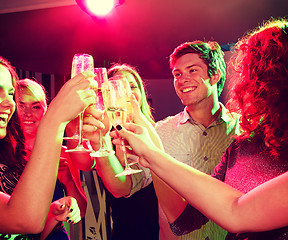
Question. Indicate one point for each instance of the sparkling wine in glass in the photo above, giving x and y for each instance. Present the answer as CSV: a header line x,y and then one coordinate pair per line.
x,y
116,96
101,78
81,62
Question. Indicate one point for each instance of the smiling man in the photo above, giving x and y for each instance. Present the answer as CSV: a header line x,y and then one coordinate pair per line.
x,y
199,135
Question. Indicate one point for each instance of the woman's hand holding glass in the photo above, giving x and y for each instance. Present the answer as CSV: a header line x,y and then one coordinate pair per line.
x,y
141,134
95,128
140,119
101,78
80,63
77,92
139,139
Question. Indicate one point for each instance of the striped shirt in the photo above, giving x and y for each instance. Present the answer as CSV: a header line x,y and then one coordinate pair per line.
x,y
200,147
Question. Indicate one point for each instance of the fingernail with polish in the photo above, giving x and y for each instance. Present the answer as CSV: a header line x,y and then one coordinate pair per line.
x,y
118,127
71,210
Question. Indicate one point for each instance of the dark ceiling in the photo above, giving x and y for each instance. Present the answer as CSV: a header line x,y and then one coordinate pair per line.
x,y
140,32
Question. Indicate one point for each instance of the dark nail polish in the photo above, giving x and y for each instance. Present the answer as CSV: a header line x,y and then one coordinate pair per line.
x,y
69,221
118,127
71,210
67,218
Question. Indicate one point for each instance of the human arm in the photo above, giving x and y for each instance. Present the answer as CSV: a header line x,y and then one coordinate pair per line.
x,y
234,211
29,201
176,204
63,210
128,184
70,178
82,160
107,167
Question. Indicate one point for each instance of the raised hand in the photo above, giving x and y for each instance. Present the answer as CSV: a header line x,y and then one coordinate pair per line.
x,y
138,138
136,116
140,119
77,92
94,121
65,210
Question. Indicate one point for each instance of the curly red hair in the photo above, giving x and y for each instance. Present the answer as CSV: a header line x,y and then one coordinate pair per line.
x,y
260,94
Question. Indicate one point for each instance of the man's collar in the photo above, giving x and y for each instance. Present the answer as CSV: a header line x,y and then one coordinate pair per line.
x,y
224,116
184,116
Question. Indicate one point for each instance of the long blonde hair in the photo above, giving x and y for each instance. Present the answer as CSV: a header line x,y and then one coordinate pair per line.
x,y
35,88
145,107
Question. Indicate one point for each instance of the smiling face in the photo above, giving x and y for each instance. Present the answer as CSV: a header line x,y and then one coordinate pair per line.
x,y
191,81
7,104
30,110
133,85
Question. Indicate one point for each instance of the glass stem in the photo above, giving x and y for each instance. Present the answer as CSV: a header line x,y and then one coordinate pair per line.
x,y
125,156
100,141
80,129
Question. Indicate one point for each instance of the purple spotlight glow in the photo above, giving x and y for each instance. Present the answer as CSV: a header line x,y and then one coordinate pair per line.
x,y
100,7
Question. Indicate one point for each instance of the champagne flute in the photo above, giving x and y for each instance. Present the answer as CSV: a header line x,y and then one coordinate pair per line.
x,y
116,95
101,78
81,62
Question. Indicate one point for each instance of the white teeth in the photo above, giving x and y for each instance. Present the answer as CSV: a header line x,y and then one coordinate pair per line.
x,y
4,116
188,89
28,122
3,119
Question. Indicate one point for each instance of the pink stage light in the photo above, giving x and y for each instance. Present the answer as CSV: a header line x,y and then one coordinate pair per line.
x,y
100,8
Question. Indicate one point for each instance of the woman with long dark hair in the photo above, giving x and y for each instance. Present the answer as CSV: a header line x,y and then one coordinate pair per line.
x,y
31,102
31,186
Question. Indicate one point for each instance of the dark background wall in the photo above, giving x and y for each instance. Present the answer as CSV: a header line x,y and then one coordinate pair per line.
x,y
142,33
